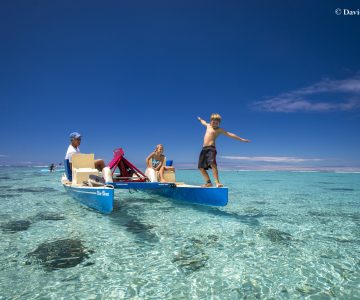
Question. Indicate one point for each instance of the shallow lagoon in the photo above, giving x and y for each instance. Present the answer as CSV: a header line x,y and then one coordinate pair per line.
x,y
283,235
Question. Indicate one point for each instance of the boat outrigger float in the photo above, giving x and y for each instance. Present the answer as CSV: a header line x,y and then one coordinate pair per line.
x,y
122,174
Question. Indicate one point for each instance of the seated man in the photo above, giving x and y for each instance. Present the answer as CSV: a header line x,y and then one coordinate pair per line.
x,y
75,141
155,162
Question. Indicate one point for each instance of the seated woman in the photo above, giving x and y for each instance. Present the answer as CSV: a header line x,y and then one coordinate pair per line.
x,y
155,165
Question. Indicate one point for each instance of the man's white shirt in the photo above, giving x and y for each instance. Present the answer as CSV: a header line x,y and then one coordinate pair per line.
x,y
70,151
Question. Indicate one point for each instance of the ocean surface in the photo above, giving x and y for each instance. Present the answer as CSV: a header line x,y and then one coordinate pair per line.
x,y
283,235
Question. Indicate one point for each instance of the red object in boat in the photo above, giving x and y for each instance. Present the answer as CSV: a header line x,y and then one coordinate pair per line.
x,y
126,168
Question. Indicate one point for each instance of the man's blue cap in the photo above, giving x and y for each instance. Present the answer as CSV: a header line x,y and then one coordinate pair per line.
x,y
74,135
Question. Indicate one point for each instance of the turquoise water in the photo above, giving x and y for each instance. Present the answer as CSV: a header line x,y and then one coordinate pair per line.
x,y
283,235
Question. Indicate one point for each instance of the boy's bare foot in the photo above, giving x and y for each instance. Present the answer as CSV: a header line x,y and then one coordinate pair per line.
x,y
218,184
207,184
163,180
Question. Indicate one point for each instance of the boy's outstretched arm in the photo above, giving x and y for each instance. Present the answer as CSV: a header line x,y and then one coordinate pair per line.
x,y
234,136
202,121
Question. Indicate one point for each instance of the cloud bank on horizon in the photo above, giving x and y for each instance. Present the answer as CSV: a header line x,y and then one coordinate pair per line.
x,y
301,100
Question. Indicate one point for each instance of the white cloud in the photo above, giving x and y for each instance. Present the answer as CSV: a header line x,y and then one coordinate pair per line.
x,y
300,100
274,159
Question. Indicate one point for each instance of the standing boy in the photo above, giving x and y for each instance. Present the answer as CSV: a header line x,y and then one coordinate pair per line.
x,y
207,157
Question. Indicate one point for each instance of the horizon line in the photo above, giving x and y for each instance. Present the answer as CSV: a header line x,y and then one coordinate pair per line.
x,y
236,168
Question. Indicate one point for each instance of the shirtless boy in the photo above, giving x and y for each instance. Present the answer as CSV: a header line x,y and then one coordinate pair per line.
x,y
207,157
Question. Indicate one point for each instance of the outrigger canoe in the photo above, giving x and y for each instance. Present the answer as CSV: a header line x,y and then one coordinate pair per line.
x,y
124,175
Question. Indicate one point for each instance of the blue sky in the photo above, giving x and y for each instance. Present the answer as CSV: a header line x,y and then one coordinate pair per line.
x,y
137,73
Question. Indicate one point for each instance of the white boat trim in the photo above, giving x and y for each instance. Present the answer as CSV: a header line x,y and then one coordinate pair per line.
x,y
83,192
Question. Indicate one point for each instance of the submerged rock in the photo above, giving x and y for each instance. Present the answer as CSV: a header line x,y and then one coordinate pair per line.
x,y
277,236
341,189
207,241
49,216
34,190
252,211
7,196
135,226
307,289
15,226
318,213
60,254
193,257
259,202
190,260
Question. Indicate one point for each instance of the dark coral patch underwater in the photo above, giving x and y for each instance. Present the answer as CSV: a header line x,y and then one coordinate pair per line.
x,y
277,236
34,190
7,196
59,254
15,226
49,216
192,256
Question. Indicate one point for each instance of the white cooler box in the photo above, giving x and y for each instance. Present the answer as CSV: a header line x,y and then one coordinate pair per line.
x,y
83,174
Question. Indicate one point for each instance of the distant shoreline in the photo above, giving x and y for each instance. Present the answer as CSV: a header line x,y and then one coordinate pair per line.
x,y
270,169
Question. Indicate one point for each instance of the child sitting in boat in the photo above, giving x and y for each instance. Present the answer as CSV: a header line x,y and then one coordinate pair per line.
x,y
155,165
207,157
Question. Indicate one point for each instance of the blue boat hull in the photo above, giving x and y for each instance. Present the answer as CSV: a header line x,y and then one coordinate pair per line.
x,y
196,195
99,198
187,193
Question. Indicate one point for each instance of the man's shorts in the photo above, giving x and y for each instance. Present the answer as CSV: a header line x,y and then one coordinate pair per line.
x,y
207,157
